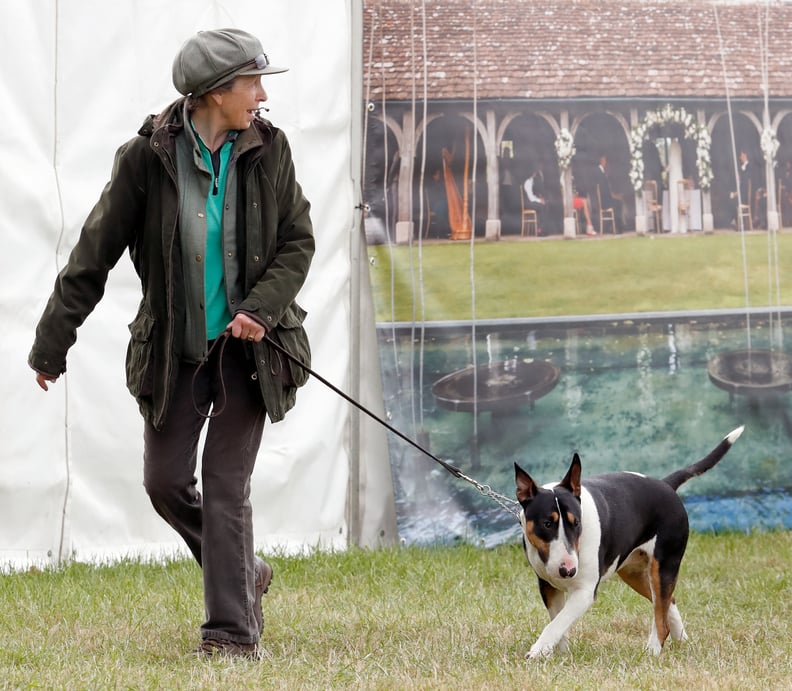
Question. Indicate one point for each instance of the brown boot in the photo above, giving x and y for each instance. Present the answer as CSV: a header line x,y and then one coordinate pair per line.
x,y
214,647
263,580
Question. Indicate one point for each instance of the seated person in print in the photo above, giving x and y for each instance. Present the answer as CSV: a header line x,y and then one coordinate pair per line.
x,y
580,203
747,186
610,200
534,198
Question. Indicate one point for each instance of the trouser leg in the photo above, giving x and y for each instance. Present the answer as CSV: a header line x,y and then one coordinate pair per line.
x,y
217,526
232,442
170,456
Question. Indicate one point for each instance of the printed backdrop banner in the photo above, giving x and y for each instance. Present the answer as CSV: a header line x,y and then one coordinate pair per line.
x,y
77,81
503,123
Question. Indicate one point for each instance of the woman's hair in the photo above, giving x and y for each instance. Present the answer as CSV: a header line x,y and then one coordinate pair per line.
x,y
193,102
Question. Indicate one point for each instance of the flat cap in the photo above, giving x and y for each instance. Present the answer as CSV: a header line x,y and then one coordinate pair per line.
x,y
211,58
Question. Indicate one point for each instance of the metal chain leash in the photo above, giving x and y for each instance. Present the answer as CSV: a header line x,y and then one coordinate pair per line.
x,y
506,503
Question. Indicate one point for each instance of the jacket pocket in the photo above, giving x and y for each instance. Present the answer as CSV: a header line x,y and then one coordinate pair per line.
x,y
139,366
291,334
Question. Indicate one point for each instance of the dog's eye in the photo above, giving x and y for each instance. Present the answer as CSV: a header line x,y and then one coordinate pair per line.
x,y
548,524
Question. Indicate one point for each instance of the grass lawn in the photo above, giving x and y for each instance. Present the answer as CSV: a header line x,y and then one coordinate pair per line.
x,y
454,617
556,277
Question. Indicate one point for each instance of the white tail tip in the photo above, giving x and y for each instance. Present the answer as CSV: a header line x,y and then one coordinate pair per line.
x,y
734,435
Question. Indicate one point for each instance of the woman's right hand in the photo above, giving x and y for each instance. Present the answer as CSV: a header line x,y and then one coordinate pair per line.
x,y
42,379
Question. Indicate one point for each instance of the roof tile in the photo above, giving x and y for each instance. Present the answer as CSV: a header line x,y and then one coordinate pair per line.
x,y
561,48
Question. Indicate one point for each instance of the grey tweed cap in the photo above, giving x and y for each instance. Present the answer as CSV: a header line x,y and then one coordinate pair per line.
x,y
211,58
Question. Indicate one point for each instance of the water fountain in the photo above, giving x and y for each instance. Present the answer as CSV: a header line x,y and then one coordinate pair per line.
x,y
498,386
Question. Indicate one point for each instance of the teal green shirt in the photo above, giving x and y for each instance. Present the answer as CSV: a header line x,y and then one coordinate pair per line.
x,y
217,313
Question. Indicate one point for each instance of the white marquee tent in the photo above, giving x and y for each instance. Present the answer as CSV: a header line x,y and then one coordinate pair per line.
x,y
76,80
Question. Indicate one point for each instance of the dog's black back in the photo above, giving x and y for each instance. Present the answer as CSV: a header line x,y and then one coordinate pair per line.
x,y
632,508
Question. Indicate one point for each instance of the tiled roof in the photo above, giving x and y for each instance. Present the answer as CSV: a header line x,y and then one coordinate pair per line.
x,y
549,49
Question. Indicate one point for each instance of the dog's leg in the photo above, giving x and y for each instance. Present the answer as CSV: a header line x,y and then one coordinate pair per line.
x,y
577,603
678,632
636,575
554,600
662,581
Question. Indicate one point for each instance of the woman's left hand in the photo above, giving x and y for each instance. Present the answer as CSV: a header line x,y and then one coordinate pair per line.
x,y
246,328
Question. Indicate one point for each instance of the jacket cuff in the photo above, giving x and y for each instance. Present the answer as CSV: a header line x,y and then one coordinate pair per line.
x,y
44,364
267,322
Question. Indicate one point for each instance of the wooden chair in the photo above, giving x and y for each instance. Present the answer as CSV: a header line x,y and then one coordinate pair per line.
x,y
529,216
652,207
684,186
605,215
744,211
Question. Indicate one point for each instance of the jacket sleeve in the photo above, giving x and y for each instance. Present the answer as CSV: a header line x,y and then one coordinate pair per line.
x,y
274,290
106,233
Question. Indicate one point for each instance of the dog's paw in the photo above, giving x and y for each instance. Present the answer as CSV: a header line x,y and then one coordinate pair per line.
x,y
653,646
539,651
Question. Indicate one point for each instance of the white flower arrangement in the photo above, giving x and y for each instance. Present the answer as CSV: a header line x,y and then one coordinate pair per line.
x,y
667,115
565,149
769,143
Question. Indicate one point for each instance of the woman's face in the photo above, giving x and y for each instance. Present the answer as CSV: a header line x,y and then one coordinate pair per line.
x,y
239,104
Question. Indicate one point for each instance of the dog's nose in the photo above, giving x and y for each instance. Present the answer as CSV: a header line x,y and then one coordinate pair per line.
x,y
564,572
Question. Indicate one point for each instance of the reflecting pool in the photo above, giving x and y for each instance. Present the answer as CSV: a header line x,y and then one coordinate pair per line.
x,y
632,393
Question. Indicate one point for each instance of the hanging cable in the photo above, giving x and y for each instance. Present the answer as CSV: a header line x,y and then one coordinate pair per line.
x,y
413,292
773,273
472,264
740,226
366,110
386,175
422,211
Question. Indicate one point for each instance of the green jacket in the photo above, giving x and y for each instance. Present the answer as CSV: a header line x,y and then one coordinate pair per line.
x,y
138,211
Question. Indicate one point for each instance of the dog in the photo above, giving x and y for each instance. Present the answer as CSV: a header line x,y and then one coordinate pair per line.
x,y
577,534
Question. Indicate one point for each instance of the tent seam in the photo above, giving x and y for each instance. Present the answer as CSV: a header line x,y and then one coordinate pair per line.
x,y
61,234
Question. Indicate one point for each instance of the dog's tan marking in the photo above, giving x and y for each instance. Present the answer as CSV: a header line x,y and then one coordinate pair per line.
x,y
635,573
542,547
662,601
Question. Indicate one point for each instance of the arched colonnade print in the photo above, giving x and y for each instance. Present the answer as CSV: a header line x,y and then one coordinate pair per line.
x,y
488,154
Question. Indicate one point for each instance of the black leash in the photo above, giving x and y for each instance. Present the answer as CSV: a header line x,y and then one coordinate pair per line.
x,y
505,502
222,339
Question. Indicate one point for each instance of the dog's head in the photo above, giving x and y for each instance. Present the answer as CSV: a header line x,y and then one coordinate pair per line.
x,y
550,520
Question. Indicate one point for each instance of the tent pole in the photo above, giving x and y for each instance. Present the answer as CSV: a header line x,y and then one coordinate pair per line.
x,y
353,507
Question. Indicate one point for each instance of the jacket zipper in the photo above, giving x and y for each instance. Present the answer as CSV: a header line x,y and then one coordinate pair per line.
x,y
215,155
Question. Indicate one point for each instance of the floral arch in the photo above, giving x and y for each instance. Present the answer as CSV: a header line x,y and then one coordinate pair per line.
x,y
684,121
565,148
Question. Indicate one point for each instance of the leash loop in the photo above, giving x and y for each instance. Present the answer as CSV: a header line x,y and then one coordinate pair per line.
x,y
505,502
223,340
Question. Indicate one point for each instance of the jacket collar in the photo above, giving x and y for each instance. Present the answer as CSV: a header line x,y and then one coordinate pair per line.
x,y
164,127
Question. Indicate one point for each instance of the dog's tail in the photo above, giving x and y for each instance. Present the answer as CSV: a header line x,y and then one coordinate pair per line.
x,y
679,477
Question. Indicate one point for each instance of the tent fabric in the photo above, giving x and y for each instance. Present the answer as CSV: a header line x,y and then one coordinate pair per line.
x,y
77,81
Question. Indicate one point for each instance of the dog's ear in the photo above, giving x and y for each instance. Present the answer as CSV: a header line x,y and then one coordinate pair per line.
x,y
526,487
571,480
